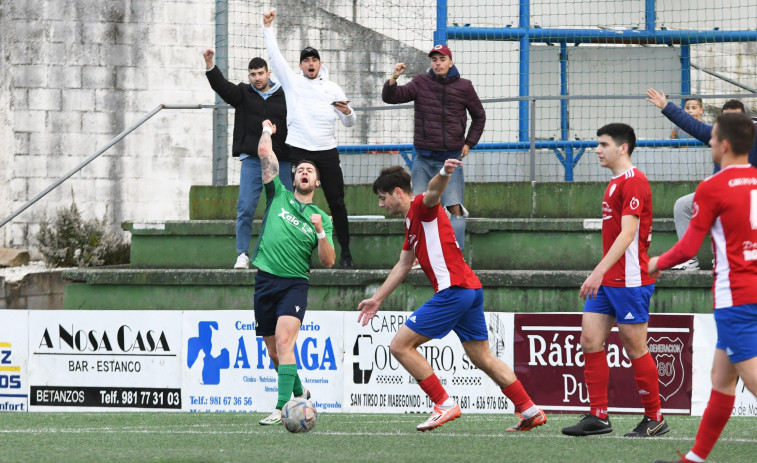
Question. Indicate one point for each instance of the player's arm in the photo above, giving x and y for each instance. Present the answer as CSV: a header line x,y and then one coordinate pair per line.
x,y
682,251
369,307
326,252
438,184
269,164
628,226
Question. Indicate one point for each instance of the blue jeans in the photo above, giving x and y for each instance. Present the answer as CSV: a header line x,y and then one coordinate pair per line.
x,y
250,187
425,166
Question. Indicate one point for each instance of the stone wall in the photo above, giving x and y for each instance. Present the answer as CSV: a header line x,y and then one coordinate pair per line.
x,y
36,291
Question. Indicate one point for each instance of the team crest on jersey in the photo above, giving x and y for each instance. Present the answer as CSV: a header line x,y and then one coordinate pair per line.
x,y
634,203
668,354
694,209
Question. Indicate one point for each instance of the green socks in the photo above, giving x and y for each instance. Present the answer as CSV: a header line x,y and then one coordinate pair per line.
x,y
287,379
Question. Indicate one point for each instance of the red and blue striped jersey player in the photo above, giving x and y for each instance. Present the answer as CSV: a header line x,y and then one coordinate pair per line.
x,y
457,305
725,205
619,289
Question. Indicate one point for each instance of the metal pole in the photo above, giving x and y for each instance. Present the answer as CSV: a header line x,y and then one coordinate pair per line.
x,y
532,139
85,162
221,115
685,70
650,17
524,21
440,34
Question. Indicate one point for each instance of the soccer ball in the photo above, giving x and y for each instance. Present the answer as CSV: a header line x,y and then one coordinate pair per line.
x,y
298,415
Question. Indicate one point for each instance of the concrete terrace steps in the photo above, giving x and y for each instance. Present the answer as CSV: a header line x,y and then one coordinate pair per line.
x,y
505,290
491,244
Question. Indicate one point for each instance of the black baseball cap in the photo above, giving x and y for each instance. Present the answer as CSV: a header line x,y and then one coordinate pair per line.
x,y
309,51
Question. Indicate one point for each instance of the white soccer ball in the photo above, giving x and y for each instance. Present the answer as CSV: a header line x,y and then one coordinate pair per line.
x,y
298,415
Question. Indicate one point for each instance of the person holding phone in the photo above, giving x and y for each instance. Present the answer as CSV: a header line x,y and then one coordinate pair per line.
x,y
314,103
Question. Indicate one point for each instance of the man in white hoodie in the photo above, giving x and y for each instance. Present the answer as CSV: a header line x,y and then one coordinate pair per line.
x,y
314,103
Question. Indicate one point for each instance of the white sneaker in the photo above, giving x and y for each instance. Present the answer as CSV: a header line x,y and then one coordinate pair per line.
x,y
305,394
692,264
243,261
273,418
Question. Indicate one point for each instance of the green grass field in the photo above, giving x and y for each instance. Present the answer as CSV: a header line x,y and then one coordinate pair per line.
x,y
228,437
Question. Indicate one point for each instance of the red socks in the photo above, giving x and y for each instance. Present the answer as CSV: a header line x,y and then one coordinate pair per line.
x,y
647,379
597,377
714,419
518,396
433,387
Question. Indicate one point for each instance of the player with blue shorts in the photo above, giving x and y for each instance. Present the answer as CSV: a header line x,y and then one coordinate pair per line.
x,y
619,289
458,302
725,206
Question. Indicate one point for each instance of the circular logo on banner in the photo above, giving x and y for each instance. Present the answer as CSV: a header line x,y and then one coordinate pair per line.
x,y
634,203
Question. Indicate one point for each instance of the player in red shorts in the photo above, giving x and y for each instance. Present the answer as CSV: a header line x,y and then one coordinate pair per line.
x,y
458,302
725,205
619,289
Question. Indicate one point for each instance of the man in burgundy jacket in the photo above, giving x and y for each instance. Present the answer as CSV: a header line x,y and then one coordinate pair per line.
x,y
441,98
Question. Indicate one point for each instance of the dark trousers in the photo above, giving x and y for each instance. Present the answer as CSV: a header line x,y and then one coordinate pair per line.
x,y
332,182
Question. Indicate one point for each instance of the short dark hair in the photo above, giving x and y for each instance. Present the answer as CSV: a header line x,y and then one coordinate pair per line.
x,y
306,161
734,104
620,133
698,100
257,63
738,129
391,178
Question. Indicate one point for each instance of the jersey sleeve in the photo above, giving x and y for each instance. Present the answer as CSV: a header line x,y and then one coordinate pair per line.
x,y
635,195
704,209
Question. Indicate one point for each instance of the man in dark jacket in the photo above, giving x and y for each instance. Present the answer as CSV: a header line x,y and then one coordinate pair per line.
x,y
683,207
254,102
441,98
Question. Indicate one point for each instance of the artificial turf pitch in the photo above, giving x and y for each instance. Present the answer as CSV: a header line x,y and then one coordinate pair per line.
x,y
337,437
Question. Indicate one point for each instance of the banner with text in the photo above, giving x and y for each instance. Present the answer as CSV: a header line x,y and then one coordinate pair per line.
x,y
227,368
104,360
549,362
376,382
14,384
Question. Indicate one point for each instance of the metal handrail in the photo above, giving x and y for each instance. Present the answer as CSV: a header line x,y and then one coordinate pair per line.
x,y
93,156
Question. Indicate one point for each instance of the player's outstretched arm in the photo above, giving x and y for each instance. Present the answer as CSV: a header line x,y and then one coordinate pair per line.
x,y
628,225
438,184
326,252
269,164
369,307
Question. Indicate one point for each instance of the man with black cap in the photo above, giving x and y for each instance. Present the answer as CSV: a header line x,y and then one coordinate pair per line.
x,y
441,98
314,103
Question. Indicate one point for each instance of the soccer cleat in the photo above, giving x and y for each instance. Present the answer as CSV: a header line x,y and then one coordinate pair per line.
x,y
589,426
346,263
682,460
439,417
273,418
243,261
305,394
527,424
692,264
648,427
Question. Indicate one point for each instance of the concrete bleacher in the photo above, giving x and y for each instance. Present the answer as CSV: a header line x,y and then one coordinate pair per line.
x,y
532,245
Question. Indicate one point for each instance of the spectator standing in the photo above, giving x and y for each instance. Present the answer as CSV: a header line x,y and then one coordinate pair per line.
x,y
314,103
442,101
260,99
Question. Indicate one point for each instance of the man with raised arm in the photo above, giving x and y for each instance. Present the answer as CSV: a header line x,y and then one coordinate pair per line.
x,y
725,206
292,228
458,304
702,132
619,288
314,104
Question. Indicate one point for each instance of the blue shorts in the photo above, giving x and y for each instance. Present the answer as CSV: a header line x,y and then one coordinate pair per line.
x,y
627,305
277,296
737,331
425,167
454,308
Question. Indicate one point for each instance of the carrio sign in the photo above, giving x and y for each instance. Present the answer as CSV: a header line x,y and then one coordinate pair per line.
x,y
549,362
